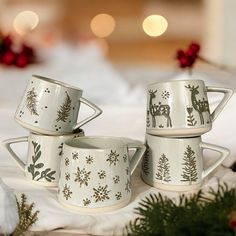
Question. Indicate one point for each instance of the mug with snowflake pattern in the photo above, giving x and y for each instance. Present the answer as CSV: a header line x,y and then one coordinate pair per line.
x,y
96,173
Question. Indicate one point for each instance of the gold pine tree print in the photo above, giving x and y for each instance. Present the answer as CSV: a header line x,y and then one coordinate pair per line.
x,y
31,102
189,166
163,169
64,112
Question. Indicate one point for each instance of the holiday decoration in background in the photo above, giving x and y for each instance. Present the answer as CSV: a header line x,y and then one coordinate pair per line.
x,y
15,54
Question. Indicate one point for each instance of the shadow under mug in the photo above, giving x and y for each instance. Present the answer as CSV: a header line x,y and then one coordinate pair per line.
x,y
181,109
43,157
176,164
51,107
96,173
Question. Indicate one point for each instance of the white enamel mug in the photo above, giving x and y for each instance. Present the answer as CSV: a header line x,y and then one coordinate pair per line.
x,y
176,164
96,173
181,109
51,107
43,158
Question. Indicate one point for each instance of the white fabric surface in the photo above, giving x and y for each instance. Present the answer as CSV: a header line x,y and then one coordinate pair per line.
x,y
123,115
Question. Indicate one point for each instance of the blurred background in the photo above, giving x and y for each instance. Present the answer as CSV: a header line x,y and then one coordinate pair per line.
x,y
118,26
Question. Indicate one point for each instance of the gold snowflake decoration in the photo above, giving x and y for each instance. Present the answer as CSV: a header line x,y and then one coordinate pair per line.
x,y
89,160
66,191
112,158
101,193
82,176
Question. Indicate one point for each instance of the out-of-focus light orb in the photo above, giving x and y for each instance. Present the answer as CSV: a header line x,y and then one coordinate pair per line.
x,y
155,25
102,25
25,21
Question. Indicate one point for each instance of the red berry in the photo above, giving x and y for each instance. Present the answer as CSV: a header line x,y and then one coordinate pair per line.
x,y
180,53
7,41
8,57
184,62
195,47
27,50
21,60
232,224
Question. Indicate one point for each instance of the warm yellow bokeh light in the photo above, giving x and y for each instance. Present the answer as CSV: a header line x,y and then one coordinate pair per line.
x,y
155,25
102,25
25,21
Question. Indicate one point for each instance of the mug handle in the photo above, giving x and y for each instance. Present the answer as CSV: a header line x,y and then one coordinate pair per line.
x,y
227,95
141,148
97,112
7,144
224,153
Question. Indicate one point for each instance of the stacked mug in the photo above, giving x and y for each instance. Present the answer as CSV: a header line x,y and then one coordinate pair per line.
x,y
178,113
93,174
49,110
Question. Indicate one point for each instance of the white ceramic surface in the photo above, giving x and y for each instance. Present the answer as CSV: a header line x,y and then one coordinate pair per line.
x,y
96,173
181,108
176,164
43,158
51,107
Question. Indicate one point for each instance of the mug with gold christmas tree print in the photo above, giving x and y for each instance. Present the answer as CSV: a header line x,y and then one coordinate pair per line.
x,y
176,164
51,107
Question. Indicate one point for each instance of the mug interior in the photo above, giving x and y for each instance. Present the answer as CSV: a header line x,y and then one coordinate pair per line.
x,y
96,142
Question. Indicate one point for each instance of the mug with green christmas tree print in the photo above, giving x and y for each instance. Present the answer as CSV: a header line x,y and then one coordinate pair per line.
x,y
51,107
96,173
176,164
43,158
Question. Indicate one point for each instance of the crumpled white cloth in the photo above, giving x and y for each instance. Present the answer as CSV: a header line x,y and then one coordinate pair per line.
x,y
53,216
9,217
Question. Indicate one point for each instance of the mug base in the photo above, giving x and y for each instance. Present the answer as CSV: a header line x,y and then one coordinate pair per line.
x,y
44,183
169,187
187,132
94,210
39,130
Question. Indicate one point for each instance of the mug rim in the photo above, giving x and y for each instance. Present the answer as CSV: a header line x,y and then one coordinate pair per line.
x,y
120,139
53,81
174,138
175,81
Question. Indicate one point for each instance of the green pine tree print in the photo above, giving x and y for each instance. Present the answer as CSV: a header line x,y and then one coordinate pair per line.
x,y
189,166
163,169
64,112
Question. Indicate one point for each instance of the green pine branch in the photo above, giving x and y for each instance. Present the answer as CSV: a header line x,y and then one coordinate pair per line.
x,y
26,216
204,214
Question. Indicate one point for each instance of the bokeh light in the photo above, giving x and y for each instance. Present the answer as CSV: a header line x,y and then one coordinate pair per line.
x,y
25,21
155,25
102,25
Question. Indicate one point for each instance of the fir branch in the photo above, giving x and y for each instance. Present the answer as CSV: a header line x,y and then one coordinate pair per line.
x,y
31,102
200,214
26,216
64,112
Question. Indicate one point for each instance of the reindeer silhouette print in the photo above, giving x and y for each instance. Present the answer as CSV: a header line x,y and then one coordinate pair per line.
x,y
158,110
199,105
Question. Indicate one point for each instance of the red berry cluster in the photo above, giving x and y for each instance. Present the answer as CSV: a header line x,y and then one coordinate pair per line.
x,y
9,56
187,58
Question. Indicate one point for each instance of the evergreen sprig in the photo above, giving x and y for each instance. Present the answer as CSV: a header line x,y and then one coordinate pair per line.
x,y
26,216
204,214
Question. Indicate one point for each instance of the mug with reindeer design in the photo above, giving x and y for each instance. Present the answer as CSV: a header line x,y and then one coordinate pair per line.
x,y
43,158
181,167
181,108
51,107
